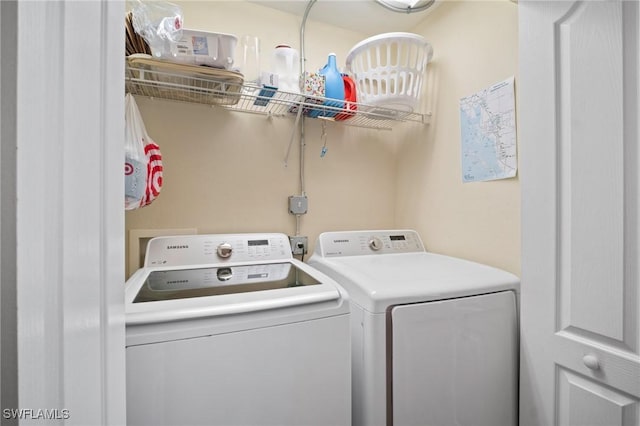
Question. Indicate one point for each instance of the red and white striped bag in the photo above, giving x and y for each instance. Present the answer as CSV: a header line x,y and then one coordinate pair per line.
x,y
154,172
143,160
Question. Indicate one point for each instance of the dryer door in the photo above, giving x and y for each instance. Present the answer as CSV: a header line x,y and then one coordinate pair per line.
x,y
455,362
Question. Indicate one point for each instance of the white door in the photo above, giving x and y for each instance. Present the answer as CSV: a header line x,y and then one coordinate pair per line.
x,y
62,331
578,116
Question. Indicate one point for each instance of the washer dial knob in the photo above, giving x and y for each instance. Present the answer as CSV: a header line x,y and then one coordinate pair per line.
x,y
224,250
224,274
375,243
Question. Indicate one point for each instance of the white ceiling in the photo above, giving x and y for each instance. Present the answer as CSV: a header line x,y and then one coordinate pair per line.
x,y
363,16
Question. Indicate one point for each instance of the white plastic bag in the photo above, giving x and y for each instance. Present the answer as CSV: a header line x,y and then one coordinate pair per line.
x,y
157,22
142,160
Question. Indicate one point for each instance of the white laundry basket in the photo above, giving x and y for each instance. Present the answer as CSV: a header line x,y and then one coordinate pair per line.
x,y
389,69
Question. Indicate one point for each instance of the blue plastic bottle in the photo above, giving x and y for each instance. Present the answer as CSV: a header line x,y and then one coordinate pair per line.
x,y
333,88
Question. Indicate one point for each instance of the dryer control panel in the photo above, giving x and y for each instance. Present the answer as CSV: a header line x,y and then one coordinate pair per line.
x,y
186,250
357,243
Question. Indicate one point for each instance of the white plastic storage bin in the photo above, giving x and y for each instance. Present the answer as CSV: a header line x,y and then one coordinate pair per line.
x,y
389,69
199,48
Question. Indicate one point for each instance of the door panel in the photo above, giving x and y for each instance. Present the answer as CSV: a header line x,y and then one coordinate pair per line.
x,y
591,154
591,206
578,127
587,402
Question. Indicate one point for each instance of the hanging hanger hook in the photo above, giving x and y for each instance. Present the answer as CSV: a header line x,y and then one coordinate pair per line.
x,y
323,138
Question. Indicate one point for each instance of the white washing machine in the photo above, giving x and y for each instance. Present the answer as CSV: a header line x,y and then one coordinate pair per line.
x,y
434,338
231,330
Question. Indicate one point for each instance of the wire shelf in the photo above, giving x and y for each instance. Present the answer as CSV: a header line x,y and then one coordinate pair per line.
x,y
226,89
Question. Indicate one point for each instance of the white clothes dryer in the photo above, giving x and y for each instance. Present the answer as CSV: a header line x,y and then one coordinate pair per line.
x,y
232,330
434,338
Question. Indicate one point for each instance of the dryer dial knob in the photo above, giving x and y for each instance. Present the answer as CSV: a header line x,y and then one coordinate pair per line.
x,y
375,243
224,250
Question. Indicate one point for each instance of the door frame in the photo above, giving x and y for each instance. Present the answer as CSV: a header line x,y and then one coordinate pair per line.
x,y
62,300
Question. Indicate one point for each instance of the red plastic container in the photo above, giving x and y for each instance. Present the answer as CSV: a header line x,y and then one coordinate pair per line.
x,y
350,99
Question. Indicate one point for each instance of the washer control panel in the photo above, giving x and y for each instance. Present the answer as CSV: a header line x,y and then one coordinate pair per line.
x,y
356,243
185,250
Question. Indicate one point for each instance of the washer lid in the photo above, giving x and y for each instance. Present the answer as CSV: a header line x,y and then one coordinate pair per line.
x,y
160,294
174,284
376,282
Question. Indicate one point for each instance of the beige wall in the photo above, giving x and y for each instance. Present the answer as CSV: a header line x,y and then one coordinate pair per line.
x,y
224,170
475,45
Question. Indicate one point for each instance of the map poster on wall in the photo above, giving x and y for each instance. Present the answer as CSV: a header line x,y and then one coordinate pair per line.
x,y
488,133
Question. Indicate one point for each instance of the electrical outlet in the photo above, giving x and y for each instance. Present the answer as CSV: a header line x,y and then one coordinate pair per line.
x,y
298,204
299,245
